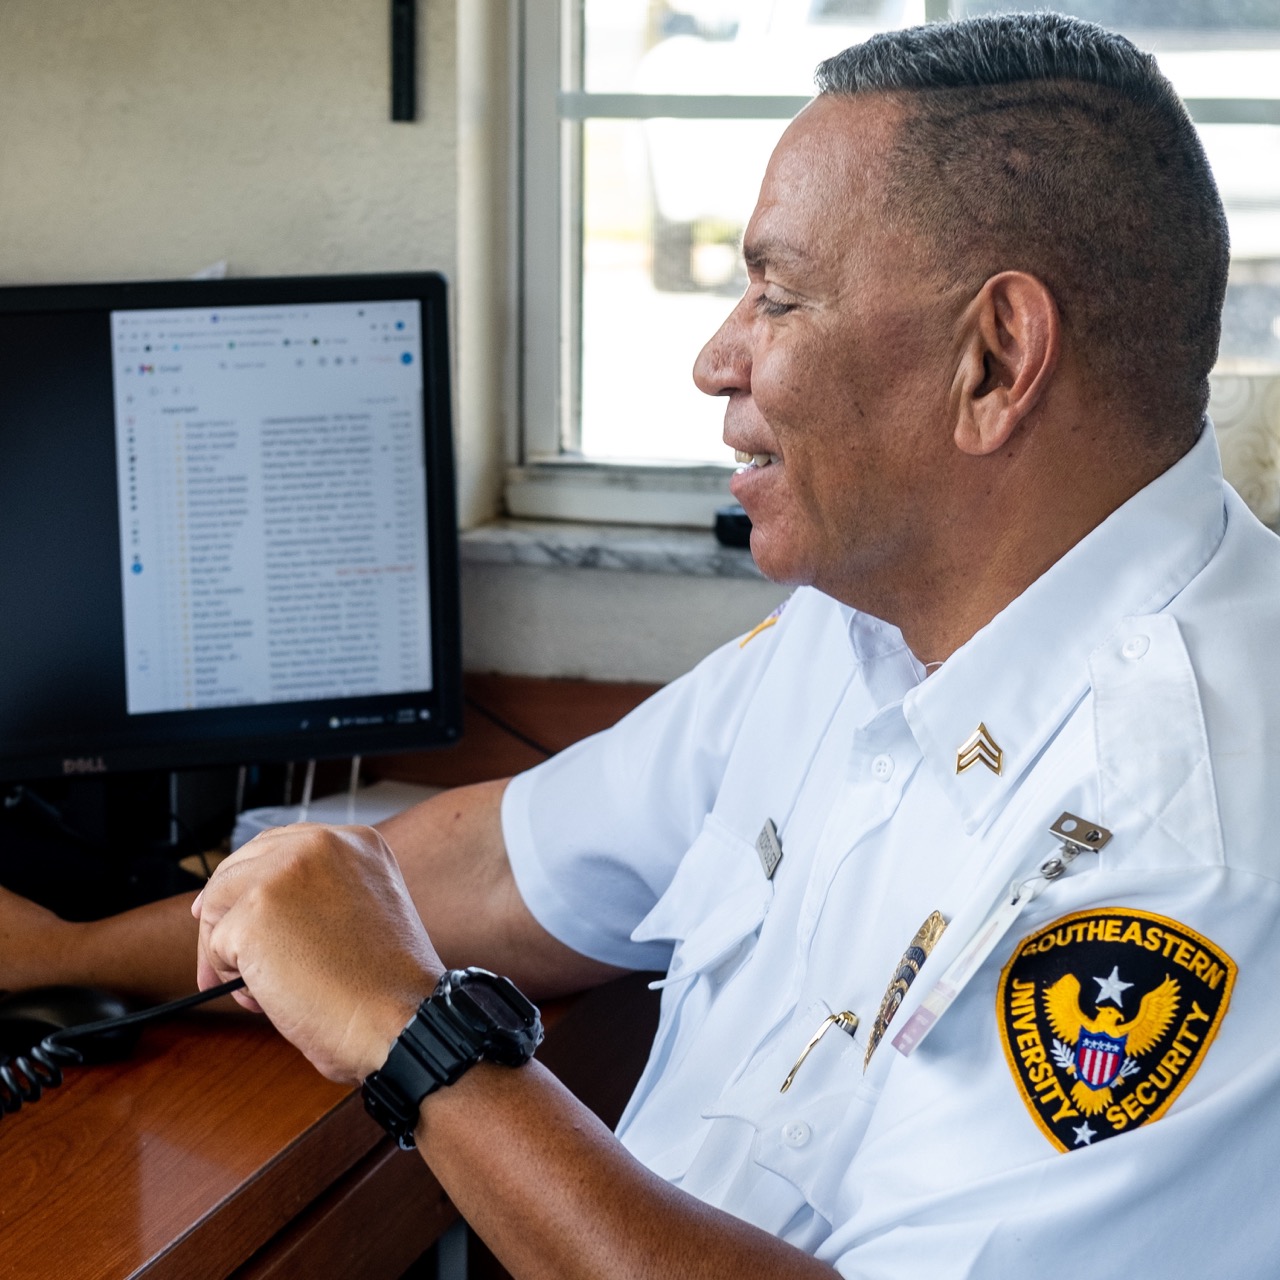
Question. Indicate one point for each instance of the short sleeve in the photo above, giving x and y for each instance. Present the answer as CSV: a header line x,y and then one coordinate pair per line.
x,y
595,834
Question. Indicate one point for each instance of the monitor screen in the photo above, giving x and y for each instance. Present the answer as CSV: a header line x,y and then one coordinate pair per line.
x,y
227,515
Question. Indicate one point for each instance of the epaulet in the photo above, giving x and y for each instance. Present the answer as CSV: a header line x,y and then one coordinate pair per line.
x,y
763,625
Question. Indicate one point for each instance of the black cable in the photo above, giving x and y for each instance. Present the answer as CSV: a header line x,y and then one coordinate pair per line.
x,y
27,1075
23,795
59,1039
507,727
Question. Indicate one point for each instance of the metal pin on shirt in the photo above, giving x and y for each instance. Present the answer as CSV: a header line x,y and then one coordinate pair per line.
x,y
846,1021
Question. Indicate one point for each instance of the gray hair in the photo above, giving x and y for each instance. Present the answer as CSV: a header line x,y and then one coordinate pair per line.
x,y
1043,143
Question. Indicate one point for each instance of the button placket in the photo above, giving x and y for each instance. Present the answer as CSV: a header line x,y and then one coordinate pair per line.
x,y
867,800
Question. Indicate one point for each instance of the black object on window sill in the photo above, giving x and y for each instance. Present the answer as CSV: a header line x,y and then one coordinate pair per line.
x,y
733,526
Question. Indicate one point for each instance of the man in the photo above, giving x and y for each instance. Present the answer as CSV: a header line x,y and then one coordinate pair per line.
x,y
968,380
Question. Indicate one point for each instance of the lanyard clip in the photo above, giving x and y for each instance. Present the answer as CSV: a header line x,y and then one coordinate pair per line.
x,y
1078,836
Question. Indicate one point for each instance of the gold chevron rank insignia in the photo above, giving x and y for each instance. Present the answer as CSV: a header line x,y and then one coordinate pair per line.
x,y
1105,1016
980,747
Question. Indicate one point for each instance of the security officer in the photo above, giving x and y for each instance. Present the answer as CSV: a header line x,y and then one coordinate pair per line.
x,y
960,868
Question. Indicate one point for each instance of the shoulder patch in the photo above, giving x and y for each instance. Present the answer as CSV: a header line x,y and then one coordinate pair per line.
x,y
763,625
1105,1015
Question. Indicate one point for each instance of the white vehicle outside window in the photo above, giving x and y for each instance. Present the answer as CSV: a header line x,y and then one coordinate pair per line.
x,y
648,126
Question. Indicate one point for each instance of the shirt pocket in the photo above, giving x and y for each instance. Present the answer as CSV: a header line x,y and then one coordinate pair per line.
x,y
713,908
813,1145
712,911
810,1135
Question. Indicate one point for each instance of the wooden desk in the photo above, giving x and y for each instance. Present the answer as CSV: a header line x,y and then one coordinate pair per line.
x,y
215,1151
218,1151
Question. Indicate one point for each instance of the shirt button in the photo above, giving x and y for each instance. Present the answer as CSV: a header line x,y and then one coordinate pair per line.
x,y
1134,647
796,1134
882,768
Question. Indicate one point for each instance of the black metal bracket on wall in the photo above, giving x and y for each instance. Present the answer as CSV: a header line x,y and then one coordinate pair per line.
x,y
404,59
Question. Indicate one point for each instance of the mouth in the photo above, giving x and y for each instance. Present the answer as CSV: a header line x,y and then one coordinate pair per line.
x,y
754,461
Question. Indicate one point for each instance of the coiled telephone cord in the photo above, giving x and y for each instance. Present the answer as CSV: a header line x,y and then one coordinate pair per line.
x,y
25,1076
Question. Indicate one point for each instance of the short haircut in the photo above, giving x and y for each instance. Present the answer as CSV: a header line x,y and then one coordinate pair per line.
x,y
1041,143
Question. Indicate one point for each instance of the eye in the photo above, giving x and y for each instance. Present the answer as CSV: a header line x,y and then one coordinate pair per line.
x,y
772,307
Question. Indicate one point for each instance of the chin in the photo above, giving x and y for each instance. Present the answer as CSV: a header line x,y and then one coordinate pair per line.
x,y
778,563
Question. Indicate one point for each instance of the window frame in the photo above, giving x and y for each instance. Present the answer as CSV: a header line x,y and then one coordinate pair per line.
x,y
546,478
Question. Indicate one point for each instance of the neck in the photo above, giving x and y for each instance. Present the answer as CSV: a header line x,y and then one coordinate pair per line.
x,y
998,540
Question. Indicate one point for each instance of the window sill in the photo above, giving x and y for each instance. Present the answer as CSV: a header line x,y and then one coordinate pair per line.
x,y
604,493
620,548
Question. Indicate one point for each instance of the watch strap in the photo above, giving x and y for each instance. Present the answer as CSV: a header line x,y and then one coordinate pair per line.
x,y
435,1049
431,1051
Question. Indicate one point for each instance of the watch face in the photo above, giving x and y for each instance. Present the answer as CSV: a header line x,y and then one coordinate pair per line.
x,y
493,1007
494,1020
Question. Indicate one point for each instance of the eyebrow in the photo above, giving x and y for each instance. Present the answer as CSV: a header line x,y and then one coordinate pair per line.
x,y
760,254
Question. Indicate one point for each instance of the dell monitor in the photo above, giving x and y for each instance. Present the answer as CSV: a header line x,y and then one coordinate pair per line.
x,y
228,524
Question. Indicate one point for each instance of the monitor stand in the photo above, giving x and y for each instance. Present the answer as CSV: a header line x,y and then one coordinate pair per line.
x,y
89,847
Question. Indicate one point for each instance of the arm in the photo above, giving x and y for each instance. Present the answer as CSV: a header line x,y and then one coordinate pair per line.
x,y
452,855
145,952
454,862
555,1195
322,926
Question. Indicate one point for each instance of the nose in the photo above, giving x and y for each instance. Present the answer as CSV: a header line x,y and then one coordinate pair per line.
x,y
723,366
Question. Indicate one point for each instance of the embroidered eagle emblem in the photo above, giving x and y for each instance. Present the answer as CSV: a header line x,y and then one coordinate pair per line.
x,y
1086,1077
1103,1050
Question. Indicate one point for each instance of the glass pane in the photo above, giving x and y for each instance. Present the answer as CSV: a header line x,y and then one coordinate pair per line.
x,y
1167,19
1246,163
724,46
659,274
665,201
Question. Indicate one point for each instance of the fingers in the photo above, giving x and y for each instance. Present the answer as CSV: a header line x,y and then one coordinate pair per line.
x,y
235,875
319,924
217,961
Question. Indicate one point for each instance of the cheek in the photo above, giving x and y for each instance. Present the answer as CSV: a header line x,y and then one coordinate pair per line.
x,y
811,398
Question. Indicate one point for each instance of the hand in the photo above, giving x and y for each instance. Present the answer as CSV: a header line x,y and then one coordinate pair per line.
x,y
319,924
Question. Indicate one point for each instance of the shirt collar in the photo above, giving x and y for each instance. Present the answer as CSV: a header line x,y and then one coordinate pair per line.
x,y
1021,675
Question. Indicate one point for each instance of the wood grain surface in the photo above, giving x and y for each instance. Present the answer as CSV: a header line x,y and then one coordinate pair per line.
x,y
119,1171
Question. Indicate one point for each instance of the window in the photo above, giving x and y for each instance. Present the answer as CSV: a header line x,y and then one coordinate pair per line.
x,y
647,127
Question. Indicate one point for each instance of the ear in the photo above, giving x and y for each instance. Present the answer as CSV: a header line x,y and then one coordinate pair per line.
x,y
1010,342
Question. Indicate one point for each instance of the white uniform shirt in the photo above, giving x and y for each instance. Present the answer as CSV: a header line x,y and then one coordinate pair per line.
x,y
1134,685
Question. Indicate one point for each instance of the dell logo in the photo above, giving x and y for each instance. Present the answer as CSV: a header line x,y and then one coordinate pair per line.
x,y
84,764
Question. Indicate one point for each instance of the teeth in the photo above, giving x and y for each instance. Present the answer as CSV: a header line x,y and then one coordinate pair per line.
x,y
754,459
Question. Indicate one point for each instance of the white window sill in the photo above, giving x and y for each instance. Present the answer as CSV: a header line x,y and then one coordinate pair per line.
x,y
622,548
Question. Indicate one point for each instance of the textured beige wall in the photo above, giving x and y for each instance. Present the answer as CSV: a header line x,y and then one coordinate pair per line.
x,y
148,138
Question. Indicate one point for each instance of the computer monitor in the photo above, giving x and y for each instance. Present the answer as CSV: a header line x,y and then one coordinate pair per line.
x,y
228,524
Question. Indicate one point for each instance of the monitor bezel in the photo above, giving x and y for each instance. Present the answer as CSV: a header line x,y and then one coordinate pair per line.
x,y
156,745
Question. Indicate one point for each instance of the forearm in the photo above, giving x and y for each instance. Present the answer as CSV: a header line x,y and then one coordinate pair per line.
x,y
454,862
145,953
555,1195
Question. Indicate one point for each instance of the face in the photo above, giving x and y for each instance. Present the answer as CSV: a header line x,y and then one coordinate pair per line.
x,y
835,367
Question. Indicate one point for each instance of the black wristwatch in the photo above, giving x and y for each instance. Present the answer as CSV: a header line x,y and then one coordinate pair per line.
x,y
472,1014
